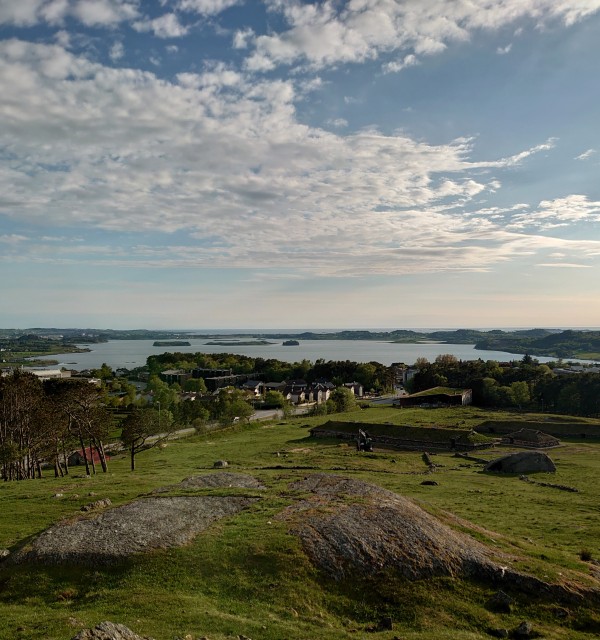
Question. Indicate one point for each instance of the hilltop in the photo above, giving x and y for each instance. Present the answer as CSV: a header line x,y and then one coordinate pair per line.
x,y
262,570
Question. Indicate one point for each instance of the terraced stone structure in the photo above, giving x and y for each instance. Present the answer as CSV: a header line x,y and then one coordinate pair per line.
x,y
405,437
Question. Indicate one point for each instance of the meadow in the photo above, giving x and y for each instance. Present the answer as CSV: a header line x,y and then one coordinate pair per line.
x,y
247,574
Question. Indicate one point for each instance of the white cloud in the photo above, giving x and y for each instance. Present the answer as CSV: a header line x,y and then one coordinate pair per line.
x,y
54,11
565,211
563,265
329,32
586,155
12,238
22,12
89,12
63,38
338,123
102,13
519,157
224,159
165,26
502,51
206,7
398,65
242,38
117,51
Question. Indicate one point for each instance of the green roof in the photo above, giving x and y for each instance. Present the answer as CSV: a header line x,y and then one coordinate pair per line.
x,y
435,391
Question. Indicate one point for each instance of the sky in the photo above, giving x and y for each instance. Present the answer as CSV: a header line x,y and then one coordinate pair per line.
x,y
279,163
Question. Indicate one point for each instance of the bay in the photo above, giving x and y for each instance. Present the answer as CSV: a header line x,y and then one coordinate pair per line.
x,y
133,353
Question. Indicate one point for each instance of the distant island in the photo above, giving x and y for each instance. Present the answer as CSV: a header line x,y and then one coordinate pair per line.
x,y
239,343
171,343
291,343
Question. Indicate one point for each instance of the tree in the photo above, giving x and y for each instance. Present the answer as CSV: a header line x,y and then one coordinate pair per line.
x,y
231,404
275,399
421,363
446,360
144,429
162,393
104,373
340,400
88,420
195,385
21,394
191,411
520,393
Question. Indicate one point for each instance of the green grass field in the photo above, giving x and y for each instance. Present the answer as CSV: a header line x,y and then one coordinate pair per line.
x,y
247,575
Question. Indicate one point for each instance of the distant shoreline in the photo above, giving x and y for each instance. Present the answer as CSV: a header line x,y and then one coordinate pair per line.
x,y
549,343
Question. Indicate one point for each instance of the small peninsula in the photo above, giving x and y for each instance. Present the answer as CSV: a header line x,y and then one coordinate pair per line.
x,y
171,343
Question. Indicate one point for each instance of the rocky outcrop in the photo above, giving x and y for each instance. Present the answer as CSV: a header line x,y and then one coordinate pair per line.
x,y
220,480
109,631
352,529
522,462
143,525
381,531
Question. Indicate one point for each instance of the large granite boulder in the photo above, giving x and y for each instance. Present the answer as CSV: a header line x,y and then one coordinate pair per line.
x,y
352,528
522,462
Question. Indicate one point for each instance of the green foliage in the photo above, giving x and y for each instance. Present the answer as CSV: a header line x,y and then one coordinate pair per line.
x,y
104,373
341,400
195,385
163,394
520,393
275,399
230,405
39,422
191,412
372,375
141,425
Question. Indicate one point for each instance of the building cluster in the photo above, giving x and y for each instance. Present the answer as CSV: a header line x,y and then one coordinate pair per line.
x,y
294,391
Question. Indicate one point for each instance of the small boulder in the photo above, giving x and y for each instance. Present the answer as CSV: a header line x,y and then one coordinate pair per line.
x,y
500,602
4,553
97,504
109,631
524,630
220,464
429,483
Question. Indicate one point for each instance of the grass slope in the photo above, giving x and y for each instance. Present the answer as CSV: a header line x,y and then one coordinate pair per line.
x,y
247,575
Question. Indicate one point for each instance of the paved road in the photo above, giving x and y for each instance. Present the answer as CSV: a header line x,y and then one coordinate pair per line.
x,y
385,400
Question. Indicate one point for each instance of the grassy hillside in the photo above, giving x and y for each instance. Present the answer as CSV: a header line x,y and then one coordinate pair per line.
x,y
247,575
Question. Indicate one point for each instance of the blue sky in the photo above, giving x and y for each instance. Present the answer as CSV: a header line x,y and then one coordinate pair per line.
x,y
275,164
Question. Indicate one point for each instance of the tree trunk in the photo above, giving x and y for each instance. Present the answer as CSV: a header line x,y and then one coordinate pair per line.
x,y
101,455
87,464
65,458
132,456
92,457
